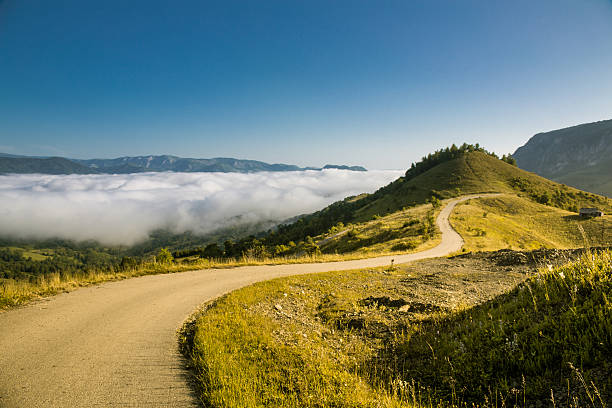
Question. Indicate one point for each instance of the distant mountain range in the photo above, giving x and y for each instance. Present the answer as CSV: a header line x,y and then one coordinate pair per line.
x,y
579,156
138,164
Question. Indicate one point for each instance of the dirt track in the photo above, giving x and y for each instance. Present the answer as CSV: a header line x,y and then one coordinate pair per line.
x,y
115,345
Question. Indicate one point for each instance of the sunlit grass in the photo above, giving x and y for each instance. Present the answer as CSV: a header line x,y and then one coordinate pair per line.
x,y
406,230
16,292
540,340
244,358
513,222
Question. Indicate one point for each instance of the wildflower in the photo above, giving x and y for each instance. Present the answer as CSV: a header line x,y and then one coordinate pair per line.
x,y
562,275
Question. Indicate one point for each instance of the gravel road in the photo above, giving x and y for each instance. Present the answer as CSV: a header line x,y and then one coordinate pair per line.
x,y
114,345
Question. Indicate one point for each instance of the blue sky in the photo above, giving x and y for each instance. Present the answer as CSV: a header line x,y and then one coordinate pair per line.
x,y
376,83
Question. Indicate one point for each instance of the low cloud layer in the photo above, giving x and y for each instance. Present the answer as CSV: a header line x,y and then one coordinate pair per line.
x,y
124,209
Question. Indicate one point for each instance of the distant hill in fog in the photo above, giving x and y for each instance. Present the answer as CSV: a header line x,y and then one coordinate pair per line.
x,y
138,164
48,165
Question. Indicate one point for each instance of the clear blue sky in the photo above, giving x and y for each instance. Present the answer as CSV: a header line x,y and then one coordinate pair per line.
x,y
378,83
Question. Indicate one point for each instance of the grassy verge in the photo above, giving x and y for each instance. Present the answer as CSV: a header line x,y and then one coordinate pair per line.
x,y
404,230
14,292
549,339
514,222
445,332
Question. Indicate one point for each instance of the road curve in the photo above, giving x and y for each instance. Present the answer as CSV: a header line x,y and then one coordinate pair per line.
x,y
114,344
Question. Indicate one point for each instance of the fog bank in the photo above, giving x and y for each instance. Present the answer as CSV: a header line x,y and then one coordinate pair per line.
x,y
124,209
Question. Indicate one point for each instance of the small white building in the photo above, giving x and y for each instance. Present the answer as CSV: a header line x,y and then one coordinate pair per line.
x,y
591,212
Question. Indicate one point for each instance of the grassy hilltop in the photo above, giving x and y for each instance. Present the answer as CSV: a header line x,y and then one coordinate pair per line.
x,y
469,171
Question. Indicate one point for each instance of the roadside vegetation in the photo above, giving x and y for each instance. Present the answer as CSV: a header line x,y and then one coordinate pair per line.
x,y
28,285
30,272
490,329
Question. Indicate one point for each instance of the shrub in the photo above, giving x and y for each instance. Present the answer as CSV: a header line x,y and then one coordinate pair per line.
x,y
164,256
404,246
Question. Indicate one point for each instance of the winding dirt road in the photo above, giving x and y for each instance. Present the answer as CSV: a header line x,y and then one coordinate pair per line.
x,y
114,345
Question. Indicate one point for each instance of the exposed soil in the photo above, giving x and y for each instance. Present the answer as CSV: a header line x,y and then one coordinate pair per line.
x,y
379,303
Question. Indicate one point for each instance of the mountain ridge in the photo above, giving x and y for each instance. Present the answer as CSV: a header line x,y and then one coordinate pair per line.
x,y
49,165
148,163
580,156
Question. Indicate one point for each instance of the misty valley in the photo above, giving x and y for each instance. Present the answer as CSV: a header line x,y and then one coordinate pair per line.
x,y
114,222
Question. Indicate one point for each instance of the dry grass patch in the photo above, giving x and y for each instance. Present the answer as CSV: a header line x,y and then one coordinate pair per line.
x,y
517,223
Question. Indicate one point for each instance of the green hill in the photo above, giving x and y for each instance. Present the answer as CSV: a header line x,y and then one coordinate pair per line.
x,y
467,173
476,172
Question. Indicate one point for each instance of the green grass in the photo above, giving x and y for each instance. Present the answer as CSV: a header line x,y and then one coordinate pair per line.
x,y
407,230
339,339
34,254
15,292
518,223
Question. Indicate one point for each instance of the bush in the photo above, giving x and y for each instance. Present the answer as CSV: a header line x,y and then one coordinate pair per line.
x,y
404,246
164,256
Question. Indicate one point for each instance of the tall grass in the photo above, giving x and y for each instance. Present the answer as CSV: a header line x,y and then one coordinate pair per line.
x,y
550,333
16,292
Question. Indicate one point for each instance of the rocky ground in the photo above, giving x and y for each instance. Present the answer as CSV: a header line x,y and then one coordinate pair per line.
x,y
378,302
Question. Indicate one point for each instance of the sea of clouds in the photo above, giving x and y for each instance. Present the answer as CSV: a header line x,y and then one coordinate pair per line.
x,y
124,209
